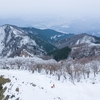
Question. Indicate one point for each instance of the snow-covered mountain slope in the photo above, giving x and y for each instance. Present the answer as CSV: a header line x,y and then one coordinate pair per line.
x,y
27,86
48,35
82,45
78,39
13,40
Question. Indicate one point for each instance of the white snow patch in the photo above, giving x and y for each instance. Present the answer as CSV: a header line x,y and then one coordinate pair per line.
x,y
65,26
38,87
85,39
2,35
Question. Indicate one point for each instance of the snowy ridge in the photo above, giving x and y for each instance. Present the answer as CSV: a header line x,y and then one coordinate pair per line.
x,y
7,33
82,45
78,39
13,40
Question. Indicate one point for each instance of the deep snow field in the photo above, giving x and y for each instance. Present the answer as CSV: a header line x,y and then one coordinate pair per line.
x,y
27,86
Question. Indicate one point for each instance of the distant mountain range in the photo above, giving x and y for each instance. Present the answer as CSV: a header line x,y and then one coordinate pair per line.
x,y
13,40
63,25
16,41
82,45
78,39
29,41
77,26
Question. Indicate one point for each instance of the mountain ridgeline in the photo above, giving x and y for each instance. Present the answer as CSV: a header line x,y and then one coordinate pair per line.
x,y
82,45
29,41
16,41
78,39
48,35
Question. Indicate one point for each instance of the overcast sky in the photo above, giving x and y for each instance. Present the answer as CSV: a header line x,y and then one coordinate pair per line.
x,y
29,9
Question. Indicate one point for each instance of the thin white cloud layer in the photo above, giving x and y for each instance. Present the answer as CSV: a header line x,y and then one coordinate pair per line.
x,y
31,8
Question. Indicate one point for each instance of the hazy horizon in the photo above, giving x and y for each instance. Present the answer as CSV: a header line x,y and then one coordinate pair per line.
x,y
31,9
54,14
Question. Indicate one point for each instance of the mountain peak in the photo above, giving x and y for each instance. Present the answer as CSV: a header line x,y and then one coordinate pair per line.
x,y
8,25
